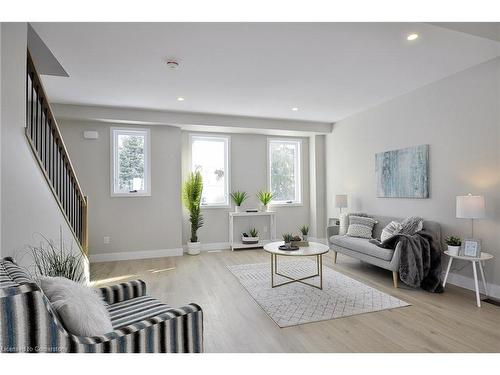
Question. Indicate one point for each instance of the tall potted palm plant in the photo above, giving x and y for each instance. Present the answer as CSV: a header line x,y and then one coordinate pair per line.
x,y
191,197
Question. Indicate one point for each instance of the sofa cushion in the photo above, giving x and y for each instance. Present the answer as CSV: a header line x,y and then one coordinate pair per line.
x,y
362,245
134,310
80,308
390,230
360,226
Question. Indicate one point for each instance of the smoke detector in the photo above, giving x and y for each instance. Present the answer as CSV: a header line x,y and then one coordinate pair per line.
x,y
172,64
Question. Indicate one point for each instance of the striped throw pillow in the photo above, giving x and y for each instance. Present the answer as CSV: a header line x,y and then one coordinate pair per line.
x,y
390,230
360,226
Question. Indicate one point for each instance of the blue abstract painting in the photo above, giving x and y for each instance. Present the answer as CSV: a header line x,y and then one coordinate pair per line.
x,y
403,173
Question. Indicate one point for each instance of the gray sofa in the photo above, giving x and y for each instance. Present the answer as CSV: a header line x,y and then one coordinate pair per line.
x,y
362,249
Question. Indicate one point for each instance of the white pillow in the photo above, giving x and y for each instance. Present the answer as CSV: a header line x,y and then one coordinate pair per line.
x,y
390,230
80,308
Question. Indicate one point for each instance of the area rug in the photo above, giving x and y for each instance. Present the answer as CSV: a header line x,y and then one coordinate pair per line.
x,y
296,303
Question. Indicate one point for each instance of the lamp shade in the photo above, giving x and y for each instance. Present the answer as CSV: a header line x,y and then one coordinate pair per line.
x,y
470,207
341,201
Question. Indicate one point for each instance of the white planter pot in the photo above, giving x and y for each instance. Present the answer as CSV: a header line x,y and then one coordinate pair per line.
x,y
453,250
237,208
304,237
194,248
265,207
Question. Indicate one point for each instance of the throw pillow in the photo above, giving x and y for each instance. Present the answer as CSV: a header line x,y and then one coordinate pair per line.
x,y
360,226
80,308
390,230
344,221
412,225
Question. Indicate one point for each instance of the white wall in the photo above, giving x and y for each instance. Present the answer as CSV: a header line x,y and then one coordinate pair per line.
x,y
141,226
459,118
28,206
249,173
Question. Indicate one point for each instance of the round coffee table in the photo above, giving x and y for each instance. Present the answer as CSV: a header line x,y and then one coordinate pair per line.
x,y
314,249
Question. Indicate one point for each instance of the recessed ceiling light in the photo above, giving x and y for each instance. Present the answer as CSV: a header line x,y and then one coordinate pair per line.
x,y
180,99
412,36
172,64
295,109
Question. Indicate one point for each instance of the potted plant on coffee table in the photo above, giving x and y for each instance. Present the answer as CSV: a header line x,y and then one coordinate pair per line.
x,y
454,244
191,196
304,229
287,238
238,198
265,197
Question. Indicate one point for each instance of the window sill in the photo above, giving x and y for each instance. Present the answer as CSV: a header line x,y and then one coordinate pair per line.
x,y
211,207
134,195
286,204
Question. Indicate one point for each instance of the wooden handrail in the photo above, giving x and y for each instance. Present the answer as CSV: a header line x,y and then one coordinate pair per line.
x,y
50,151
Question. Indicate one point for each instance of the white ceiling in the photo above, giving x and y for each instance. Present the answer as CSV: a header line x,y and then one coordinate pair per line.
x,y
328,70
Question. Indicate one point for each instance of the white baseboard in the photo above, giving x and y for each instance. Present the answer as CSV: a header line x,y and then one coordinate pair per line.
x,y
468,283
212,246
127,255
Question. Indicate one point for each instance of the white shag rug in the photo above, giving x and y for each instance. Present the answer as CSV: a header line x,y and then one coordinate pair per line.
x,y
296,303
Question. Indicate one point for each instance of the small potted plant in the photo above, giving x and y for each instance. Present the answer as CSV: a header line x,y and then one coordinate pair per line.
x,y
305,231
265,197
251,238
238,198
453,244
287,238
191,196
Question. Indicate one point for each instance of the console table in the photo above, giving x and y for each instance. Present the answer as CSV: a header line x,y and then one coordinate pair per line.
x,y
238,244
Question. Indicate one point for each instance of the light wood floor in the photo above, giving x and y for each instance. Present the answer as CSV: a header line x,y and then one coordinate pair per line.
x,y
234,322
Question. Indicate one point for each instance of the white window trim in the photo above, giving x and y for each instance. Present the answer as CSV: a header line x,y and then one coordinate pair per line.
x,y
227,166
147,161
298,168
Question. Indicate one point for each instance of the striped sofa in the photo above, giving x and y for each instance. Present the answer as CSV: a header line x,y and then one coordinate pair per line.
x,y
142,324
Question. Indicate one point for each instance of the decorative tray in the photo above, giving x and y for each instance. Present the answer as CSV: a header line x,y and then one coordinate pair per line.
x,y
288,248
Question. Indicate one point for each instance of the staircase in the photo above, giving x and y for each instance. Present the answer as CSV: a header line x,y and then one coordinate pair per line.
x,y
48,147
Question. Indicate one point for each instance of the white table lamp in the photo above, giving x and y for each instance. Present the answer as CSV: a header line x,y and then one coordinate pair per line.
x,y
341,201
470,207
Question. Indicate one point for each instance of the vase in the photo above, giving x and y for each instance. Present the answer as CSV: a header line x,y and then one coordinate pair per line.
x,y
237,208
304,237
194,248
453,250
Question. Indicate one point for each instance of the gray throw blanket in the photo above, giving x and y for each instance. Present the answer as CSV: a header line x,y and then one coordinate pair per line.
x,y
420,260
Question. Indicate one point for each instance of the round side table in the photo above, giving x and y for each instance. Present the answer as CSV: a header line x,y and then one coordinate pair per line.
x,y
473,260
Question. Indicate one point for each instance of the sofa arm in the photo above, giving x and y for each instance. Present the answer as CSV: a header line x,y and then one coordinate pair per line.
x,y
332,230
179,330
123,292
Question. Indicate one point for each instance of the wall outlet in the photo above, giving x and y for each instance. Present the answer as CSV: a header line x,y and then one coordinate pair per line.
x,y
107,240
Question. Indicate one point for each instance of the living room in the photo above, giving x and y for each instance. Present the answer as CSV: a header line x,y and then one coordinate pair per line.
x,y
250,187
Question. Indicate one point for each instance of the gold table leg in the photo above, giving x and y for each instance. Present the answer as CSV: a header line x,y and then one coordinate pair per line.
x,y
274,271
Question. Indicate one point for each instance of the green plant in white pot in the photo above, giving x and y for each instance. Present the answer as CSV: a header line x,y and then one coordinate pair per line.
x,y
191,196
304,229
265,197
238,198
454,244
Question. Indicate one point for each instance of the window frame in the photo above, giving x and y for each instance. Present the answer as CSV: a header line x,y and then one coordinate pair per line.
x,y
115,131
298,169
227,165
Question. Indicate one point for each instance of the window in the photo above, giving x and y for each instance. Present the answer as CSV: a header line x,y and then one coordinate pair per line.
x,y
209,155
130,162
284,171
